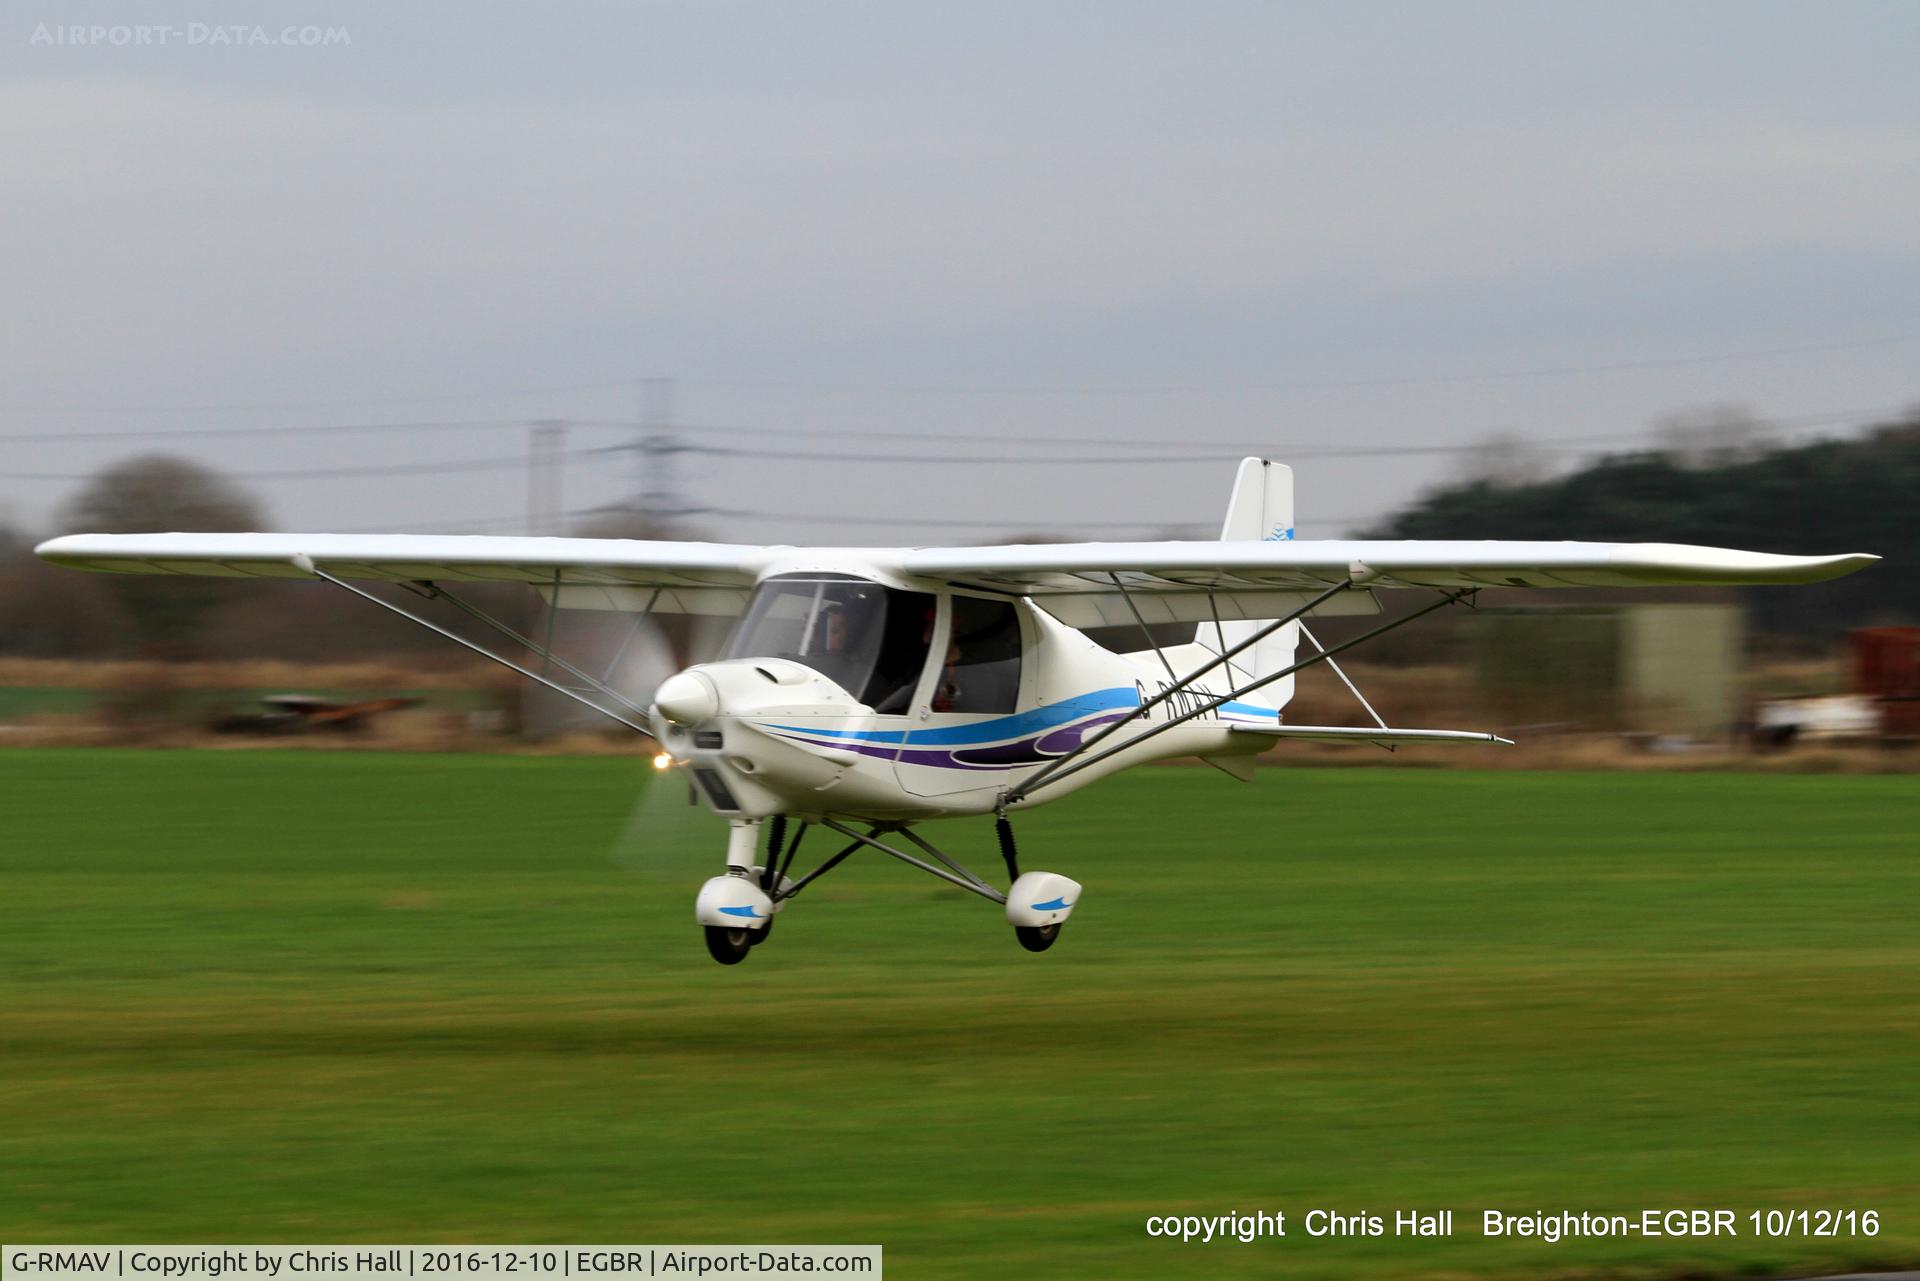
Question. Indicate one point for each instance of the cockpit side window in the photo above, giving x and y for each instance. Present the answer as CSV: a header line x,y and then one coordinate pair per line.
x,y
982,668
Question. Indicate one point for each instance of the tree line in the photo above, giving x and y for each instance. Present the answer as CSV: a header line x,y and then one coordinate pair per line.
x,y
1855,495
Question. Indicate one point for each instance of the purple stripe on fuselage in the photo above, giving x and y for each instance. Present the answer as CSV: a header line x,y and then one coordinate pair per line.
x,y
999,756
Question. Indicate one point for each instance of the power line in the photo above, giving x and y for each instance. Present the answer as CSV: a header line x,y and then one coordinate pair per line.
x,y
817,518
801,518
368,403
1000,389
197,433
1821,418
654,450
963,522
1315,384
1238,449
358,471
1022,460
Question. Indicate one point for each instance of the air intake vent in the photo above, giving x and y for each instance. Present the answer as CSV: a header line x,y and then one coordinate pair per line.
x,y
716,789
708,739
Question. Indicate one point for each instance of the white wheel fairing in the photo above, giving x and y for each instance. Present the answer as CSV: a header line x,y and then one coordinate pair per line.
x,y
1042,898
734,903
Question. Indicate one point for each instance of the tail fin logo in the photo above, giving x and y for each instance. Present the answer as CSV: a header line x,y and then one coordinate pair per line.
x,y
1280,534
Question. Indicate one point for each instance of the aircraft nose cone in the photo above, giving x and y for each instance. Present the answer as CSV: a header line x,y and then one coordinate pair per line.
x,y
687,699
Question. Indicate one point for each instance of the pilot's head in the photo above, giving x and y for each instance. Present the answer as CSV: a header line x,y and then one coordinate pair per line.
x,y
836,628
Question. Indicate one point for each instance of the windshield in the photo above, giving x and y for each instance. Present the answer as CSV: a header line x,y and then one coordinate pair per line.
x,y
870,640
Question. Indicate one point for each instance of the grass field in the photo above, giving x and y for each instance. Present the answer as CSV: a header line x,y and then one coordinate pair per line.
x,y
336,997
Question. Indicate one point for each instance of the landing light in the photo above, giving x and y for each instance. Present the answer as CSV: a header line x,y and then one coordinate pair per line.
x,y
663,760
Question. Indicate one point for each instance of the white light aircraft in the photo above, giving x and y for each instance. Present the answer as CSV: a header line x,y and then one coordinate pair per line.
x,y
879,688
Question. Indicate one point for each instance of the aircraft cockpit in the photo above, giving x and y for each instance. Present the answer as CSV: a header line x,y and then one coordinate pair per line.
x,y
869,639
874,641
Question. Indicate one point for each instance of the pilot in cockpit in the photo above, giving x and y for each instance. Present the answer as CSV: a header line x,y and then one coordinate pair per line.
x,y
838,648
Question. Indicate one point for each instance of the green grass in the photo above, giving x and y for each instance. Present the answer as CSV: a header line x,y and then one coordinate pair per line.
x,y
336,997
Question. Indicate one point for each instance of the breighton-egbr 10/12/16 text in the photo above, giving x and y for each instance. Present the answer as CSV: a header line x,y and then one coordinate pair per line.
x,y
1539,1225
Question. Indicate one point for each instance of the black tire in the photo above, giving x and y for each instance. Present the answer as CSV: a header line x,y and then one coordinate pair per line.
x,y
728,946
760,935
1036,938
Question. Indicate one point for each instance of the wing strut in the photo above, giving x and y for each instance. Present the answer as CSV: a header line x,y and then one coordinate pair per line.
x,y
433,592
639,621
1053,770
1345,679
436,592
1060,769
1146,633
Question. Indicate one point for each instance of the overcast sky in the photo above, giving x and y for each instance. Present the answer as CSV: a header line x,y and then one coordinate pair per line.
x,y
1184,229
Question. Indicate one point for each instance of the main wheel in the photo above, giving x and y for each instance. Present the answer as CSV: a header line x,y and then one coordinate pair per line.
x,y
759,936
1036,938
728,946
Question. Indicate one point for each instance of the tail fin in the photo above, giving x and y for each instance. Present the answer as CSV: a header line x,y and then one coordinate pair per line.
x,y
1262,503
1261,509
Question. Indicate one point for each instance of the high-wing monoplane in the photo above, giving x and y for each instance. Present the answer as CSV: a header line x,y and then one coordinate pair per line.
x,y
867,691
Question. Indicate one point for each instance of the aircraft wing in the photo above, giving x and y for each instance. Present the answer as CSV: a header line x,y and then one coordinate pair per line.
x,y
603,566
1298,565
593,573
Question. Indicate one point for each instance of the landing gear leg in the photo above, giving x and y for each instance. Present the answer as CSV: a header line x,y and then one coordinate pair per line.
x,y
770,872
1004,830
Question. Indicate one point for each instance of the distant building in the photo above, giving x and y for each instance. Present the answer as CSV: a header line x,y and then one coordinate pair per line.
x,y
1655,669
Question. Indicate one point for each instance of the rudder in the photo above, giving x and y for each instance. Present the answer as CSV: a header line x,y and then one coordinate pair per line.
x,y
1261,509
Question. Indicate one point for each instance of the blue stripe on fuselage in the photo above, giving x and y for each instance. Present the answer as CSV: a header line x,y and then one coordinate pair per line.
x,y
1001,728
1036,721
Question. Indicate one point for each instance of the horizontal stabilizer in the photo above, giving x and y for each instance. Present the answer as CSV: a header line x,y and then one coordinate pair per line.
x,y
1370,734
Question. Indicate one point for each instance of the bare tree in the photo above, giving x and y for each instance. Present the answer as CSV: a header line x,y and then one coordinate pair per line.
x,y
155,493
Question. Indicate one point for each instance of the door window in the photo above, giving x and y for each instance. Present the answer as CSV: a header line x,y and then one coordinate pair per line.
x,y
981,672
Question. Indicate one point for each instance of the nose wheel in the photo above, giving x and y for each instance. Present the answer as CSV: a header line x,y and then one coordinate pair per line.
x,y
730,946
1036,938
736,911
